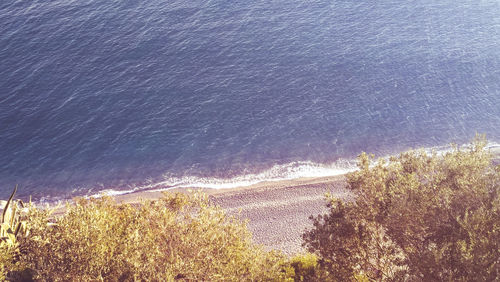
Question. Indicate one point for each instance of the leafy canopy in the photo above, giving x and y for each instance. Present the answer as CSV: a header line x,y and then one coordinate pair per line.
x,y
419,216
179,237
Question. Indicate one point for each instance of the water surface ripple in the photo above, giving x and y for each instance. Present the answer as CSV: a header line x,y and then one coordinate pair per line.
x,y
108,94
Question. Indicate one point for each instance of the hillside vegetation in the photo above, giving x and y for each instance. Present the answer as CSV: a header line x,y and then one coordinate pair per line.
x,y
179,237
415,217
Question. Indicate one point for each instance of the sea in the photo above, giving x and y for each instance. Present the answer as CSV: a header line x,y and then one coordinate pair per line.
x,y
116,96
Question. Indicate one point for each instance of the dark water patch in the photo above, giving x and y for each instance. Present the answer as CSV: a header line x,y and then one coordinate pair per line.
x,y
124,94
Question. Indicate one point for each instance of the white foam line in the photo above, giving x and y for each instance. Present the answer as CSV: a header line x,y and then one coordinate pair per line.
x,y
290,171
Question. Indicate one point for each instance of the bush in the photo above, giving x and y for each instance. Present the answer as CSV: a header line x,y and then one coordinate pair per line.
x,y
12,226
305,267
180,237
418,217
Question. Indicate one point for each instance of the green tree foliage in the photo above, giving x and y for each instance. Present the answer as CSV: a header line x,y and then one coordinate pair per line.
x,y
417,217
180,237
305,268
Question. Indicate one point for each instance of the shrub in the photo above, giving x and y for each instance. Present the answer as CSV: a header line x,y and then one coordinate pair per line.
x,y
12,226
180,237
305,267
418,216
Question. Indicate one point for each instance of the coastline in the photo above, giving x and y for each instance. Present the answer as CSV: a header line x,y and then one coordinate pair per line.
x,y
277,212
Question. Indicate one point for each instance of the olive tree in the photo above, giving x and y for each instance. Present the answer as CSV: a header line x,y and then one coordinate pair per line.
x,y
418,216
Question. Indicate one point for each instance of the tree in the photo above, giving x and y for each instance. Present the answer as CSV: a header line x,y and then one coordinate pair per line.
x,y
419,216
179,237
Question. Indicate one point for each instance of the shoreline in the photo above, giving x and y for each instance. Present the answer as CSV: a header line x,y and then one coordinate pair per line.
x,y
277,212
137,196
153,191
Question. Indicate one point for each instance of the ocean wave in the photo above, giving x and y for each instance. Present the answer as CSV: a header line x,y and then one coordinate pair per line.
x,y
294,170
288,171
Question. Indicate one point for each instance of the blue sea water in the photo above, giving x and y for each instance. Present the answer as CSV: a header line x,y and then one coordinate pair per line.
x,y
124,95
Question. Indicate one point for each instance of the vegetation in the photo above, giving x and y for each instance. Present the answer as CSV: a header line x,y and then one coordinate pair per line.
x,y
180,237
12,226
306,268
417,217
